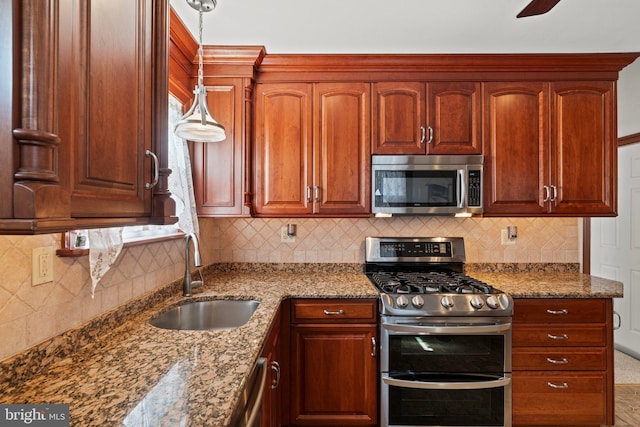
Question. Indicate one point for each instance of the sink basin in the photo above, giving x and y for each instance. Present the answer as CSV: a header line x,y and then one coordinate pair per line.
x,y
207,315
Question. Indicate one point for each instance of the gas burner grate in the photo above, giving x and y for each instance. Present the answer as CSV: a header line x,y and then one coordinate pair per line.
x,y
437,282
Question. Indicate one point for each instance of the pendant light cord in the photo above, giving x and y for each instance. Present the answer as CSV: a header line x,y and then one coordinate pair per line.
x,y
200,51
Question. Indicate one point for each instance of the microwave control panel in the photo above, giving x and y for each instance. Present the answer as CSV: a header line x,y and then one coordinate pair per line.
x,y
475,186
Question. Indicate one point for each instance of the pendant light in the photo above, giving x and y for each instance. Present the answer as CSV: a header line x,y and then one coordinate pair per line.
x,y
197,123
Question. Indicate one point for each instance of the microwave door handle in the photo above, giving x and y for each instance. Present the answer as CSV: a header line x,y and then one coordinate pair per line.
x,y
462,189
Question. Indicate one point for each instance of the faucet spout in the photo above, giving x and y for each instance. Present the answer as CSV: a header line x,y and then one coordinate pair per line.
x,y
188,284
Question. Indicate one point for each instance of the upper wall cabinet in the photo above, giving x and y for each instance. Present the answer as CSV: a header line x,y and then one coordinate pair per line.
x,y
87,115
312,149
550,148
426,118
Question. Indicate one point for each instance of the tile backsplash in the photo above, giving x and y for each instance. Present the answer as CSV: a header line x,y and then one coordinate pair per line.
x,y
30,314
341,240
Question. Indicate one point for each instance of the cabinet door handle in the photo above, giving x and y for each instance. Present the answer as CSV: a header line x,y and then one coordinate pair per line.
x,y
373,347
562,361
552,385
156,169
308,194
423,134
334,313
316,193
430,135
555,312
546,193
554,196
275,367
617,321
558,337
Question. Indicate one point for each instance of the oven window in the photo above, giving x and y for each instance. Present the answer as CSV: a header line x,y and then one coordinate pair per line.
x,y
446,353
418,407
416,188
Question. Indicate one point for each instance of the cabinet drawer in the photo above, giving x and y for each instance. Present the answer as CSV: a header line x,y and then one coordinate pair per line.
x,y
546,335
559,310
557,398
333,311
555,359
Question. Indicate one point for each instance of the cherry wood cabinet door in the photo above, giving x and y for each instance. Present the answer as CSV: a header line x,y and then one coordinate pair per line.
x,y
218,168
584,148
283,149
399,118
454,113
342,148
333,374
516,147
272,397
107,54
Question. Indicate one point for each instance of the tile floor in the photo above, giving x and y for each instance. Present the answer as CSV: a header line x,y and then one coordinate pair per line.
x,y
626,368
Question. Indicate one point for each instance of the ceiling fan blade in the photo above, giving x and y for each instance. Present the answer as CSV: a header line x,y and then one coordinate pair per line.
x,y
537,7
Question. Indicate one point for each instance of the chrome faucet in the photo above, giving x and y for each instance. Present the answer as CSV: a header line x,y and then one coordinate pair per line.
x,y
188,284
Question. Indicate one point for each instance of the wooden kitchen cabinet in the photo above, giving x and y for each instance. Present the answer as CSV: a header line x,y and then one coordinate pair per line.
x,y
563,362
91,140
272,400
220,168
312,149
549,149
333,362
427,118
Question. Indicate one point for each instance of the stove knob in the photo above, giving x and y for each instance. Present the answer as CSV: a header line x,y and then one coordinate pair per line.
x,y
446,302
476,302
417,301
493,302
402,301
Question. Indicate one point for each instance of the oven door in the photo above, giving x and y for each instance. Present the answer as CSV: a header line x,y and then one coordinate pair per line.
x,y
445,400
445,371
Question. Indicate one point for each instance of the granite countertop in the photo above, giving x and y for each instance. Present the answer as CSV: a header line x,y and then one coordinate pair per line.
x,y
138,374
552,285
142,375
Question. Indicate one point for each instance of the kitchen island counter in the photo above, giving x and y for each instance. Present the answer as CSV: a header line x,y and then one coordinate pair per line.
x,y
142,375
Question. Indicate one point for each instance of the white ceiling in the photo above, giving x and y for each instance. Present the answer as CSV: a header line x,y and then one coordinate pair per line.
x,y
418,26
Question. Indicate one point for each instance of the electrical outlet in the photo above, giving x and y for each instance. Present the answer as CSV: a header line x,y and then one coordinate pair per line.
x,y
41,265
504,238
284,236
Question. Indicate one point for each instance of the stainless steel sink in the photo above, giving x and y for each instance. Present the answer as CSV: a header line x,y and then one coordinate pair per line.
x,y
207,315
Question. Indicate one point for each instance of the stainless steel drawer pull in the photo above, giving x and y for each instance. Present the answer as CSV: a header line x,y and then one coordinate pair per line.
x,y
333,313
558,337
373,347
275,367
563,311
562,361
563,385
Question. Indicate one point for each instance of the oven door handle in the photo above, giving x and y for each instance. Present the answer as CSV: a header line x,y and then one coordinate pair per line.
x,y
436,329
500,382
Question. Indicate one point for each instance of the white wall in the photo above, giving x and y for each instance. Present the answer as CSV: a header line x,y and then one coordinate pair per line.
x,y
629,100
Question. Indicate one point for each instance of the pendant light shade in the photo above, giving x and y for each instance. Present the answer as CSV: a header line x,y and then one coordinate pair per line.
x,y
197,124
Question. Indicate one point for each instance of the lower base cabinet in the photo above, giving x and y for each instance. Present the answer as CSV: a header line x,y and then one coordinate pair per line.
x,y
563,362
333,361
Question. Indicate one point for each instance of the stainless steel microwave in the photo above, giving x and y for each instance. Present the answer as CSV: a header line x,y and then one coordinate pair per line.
x,y
426,185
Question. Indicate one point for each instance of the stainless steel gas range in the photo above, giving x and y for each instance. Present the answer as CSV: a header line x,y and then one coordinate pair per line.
x,y
445,338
